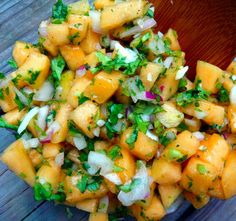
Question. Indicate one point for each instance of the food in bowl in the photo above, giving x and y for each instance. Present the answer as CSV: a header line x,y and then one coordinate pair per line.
x,y
107,121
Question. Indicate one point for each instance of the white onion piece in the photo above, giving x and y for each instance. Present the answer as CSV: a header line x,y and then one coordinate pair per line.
x,y
21,96
130,55
28,90
234,59
114,178
43,28
80,142
146,117
45,93
149,77
5,82
160,34
152,135
149,23
99,161
190,122
101,123
42,115
96,131
58,93
139,192
175,205
33,143
200,114
232,95
118,127
96,20
180,73
27,118
26,136
168,61
59,159
81,71
103,204
53,128
200,136
161,46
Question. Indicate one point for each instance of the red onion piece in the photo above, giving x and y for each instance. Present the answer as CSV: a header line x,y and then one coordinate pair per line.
x,y
81,71
150,95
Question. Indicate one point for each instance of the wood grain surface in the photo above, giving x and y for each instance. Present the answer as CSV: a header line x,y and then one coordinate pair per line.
x,y
207,31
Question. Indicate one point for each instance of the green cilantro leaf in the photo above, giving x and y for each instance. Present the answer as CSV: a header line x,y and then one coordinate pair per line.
x,y
59,12
201,169
223,94
81,185
33,75
82,98
12,63
192,96
128,187
4,124
2,76
1,94
57,65
182,85
114,152
20,105
133,137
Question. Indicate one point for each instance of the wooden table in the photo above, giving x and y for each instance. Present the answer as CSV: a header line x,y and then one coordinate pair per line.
x,y
19,19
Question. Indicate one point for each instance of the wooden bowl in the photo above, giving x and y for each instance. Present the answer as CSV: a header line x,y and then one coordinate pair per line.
x,y
206,29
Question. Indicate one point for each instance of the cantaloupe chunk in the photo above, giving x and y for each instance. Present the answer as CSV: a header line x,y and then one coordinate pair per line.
x,y
88,205
173,37
84,117
98,217
232,117
144,147
182,148
149,74
197,201
198,176
103,86
121,14
209,75
50,150
50,47
169,193
7,103
99,4
17,159
232,67
164,172
33,72
73,55
206,111
21,52
167,84
229,176
216,153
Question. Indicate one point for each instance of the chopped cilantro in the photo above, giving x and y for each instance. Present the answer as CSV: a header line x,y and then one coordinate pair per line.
x,y
57,65
128,187
33,75
174,154
82,98
167,137
73,37
114,152
12,63
182,85
20,105
192,96
150,13
2,76
1,94
132,137
81,185
117,169
201,169
59,12
89,183
45,192
139,41
22,175
118,63
223,94
139,83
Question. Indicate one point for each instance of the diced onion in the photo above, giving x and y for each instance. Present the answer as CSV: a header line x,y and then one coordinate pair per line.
x,y
100,161
114,178
168,61
33,143
232,95
80,142
81,71
42,115
59,159
200,114
43,28
101,123
200,136
21,96
96,131
130,55
160,34
152,135
96,20
190,122
119,126
53,128
150,95
180,73
139,192
45,93
160,46
27,118
149,23
103,204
